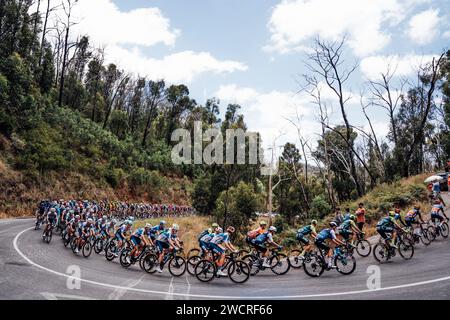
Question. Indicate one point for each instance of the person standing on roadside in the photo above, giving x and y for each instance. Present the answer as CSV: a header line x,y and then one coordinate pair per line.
x,y
360,216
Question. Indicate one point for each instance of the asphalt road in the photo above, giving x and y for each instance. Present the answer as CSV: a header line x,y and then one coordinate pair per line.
x,y
31,269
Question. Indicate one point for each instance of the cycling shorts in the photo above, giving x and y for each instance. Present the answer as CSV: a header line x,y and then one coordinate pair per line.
x,y
162,245
205,246
302,239
214,247
135,240
435,216
321,245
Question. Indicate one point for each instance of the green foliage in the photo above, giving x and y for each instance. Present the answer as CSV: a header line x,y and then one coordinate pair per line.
x,y
320,207
238,206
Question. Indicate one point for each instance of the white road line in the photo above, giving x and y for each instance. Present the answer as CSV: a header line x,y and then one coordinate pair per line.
x,y
207,296
169,295
55,296
119,293
189,288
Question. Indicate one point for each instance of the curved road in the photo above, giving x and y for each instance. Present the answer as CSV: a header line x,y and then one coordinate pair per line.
x,y
30,269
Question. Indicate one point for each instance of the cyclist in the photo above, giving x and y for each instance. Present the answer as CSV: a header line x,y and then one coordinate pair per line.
x,y
205,237
349,228
437,210
322,237
140,238
167,240
121,233
219,244
260,244
306,231
254,233
386,227
411,216
156,230
51,220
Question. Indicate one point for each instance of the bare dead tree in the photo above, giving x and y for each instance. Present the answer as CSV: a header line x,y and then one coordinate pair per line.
x,y
68,6
327,62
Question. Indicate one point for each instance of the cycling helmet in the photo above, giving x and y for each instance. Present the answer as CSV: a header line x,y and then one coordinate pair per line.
x,y
263,223
129,222
215,225
105,217
219,230
314,222
397,216
175,227
333,224
391,213
114,221
352,217
77,217
273,229
162,222
52,210
231,229
148,225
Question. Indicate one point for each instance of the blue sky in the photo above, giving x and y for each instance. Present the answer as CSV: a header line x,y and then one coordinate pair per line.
x,y
251,52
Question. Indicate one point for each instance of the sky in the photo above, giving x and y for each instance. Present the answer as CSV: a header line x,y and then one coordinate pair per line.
x,y
252,52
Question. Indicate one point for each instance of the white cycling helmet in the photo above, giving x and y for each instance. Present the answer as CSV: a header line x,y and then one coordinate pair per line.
x,y
273,229
148,225
176,227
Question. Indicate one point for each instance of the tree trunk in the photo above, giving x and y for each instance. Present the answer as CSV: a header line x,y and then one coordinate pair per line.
x,y
63,70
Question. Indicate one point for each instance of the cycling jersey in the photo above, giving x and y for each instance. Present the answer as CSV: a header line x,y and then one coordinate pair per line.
x,y
220,238
166,235
347,225
386,222
326,234
306,230
204,233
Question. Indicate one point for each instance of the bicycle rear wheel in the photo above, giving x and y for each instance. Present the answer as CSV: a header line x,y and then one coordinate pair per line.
x,y
295,260
253,262
280,264
192,263
345,263
314,265
425,237
123,258
444,230
98,245
149,263
177,266
406,249
431,233
381,253
238,271
205,271
193,252
363,248
87,249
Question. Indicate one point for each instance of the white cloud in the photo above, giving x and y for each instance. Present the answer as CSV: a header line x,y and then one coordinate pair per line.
x,y
423,27
178,67
266,112
294,22
372,67
446,34
125,33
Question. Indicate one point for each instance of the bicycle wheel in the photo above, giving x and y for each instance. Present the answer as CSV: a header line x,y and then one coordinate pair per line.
x,y
177,266
193,252
406,249
381,253
314,265
253,262
431,233
98,245
73,245
280,264
444,230
345,263
425,237
191,263
124,258
87,249
149,263
66,240
238,271
111,251
49,236
205,271
295,260
363,248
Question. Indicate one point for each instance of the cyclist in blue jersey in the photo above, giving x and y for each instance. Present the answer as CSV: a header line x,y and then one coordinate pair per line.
x,y
302,234
219,243
386,227
205,237
121,234
156,230
51,220
140,238
264,240
167,240
325,235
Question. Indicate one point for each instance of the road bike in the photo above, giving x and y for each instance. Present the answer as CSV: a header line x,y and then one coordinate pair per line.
x,y
383,251
342,259
237,270
279,262
176,263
